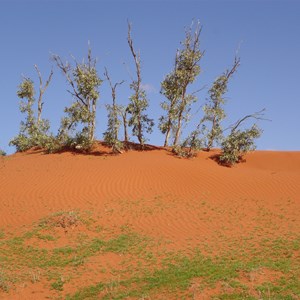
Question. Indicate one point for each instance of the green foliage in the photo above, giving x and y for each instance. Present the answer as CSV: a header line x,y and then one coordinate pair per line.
x,y
85,82
115,114
191,145
213,111
2,152
175,85
58,285
113,127
32,133
238,143
139,120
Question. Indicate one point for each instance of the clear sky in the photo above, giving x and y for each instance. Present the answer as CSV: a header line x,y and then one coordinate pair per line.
x,y
267,34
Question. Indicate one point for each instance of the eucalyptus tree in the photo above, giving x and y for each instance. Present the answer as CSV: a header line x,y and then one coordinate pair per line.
x,y
170,89
213,110
114,113
185,72
138,105
84,82
34,130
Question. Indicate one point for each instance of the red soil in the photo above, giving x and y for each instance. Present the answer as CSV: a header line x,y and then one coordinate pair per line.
x,y
186,201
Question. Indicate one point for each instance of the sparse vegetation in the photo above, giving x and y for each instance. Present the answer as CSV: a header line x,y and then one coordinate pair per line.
x,y
239,142
78,127
84,82
156,271
33,131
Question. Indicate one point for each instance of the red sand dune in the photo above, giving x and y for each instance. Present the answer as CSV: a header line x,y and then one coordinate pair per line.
x,y
33,185
186,201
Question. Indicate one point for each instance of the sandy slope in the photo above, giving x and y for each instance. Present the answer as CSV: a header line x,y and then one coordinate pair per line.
x,y
33,185
187,202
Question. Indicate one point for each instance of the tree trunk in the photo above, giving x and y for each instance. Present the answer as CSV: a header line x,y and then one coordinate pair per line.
x,y
211,139
140,132
93,122
124,116
167,135
177,134
40,107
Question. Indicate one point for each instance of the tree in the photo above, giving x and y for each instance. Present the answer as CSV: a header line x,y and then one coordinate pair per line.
x,y
138,101
186,71
169,88
239,142
213,110
123,112
34,131
114,123
42,90
193,143
84,82
2,152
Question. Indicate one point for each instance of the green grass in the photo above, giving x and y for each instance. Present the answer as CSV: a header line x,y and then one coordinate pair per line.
x,y
33,257
156,270
176,276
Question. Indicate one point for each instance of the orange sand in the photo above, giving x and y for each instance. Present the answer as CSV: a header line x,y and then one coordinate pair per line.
x,y
186,201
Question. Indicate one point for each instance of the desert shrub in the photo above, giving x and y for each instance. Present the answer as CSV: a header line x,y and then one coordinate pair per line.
x,y
2,153
237,144
190,146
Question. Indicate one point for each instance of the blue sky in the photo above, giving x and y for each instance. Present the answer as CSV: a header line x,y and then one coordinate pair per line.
x,y
266,32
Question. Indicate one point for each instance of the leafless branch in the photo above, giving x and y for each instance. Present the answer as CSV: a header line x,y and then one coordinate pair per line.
x,y
236,64
136,56
42,90
112,86
257,115
66,68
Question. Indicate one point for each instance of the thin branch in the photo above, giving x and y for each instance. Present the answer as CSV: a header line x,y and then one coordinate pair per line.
x,y
42,90
257,115
113,87
134,54
66,68
236,64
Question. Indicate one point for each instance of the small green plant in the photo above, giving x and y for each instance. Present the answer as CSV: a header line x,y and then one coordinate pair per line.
x,y
58,284
3,282
2,153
